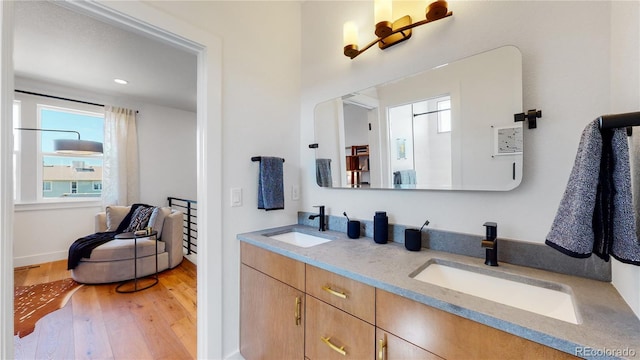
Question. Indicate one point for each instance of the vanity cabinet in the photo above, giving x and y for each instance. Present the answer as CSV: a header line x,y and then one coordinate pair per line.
x,y
292,310
271,305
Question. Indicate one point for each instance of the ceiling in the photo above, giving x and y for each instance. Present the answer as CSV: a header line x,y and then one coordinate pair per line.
x,y
56,45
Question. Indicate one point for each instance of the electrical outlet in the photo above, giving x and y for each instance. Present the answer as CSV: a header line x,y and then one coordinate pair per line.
x,y
236,197
295,192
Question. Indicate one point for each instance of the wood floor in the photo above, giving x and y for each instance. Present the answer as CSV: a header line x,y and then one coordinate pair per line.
x,y
98,323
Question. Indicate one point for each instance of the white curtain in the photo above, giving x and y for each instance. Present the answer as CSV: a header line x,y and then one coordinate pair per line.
x,y
120,179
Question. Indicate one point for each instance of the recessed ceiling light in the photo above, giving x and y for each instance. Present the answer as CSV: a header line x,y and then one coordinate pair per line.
x,y
120,81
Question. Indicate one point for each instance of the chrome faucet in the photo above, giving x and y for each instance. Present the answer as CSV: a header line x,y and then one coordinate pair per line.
x,y
491,244
321,223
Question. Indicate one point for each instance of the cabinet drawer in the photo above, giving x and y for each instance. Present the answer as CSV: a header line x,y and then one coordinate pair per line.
x,y
390,347
451,336
349,295
280,267
331,331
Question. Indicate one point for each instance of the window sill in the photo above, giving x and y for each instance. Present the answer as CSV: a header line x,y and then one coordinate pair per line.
x,y
57,205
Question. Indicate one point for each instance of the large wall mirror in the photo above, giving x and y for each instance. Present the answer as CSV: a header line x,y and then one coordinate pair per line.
x,y
447,128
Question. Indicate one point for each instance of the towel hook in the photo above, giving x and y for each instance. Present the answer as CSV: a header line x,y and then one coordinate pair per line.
x,y
531,115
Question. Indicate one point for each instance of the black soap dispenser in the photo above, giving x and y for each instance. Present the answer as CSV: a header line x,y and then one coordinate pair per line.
x,y
380,227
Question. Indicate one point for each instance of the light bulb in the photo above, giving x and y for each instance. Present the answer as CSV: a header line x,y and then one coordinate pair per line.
x,y
350,33
382,11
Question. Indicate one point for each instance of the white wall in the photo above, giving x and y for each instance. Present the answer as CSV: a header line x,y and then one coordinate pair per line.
x,y
625,97
567,57
166,141
260,116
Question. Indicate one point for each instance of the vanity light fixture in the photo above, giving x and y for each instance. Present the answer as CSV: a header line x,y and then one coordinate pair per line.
x,y
390,33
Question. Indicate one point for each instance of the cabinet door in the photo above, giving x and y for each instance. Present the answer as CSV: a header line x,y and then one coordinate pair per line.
x,y
390,347
271,318
333,334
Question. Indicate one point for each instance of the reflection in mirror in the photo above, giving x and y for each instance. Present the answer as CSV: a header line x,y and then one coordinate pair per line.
x,y
448,128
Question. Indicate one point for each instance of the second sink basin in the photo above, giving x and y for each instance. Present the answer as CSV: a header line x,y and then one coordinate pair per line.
x,y
300,239
541,297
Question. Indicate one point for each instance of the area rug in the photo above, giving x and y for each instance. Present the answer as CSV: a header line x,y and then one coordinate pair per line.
x,y
31,303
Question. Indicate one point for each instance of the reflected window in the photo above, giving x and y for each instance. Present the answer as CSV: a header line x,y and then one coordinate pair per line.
x,y
444,115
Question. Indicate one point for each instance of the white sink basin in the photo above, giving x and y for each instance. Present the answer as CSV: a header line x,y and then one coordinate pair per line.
x,y
299,239
541,297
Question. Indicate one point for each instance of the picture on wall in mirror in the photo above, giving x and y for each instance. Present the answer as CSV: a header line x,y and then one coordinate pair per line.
x,y
401,148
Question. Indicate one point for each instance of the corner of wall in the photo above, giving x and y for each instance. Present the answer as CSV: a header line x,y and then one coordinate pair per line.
x,y
625,97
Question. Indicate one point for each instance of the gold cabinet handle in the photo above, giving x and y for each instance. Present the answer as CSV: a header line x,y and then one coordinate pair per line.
x,y
337,349
383,347
298,312
328,289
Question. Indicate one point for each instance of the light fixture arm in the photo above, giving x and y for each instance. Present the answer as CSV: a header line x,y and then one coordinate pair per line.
x,y
67,146
52,130
399,30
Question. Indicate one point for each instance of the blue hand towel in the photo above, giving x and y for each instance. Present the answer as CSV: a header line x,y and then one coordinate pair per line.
x,y
323,172
271,184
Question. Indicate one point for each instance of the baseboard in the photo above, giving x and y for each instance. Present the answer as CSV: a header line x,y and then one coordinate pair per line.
x,y
192,257
39,258
234,356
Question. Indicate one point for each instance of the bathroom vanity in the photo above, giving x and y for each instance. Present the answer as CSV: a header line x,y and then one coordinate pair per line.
x,y
355,299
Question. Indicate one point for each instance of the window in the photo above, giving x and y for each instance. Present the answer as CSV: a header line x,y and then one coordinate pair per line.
x,y
69,175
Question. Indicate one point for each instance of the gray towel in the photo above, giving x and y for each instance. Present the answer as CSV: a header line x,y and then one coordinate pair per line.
x,y
572,231
408,177
271,184
625,245
404,179
323,172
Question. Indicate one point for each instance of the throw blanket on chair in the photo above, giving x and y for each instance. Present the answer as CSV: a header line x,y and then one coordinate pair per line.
x,y
83,247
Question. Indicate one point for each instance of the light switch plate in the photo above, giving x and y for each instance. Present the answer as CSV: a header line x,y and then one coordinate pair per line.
x,y
236,197
295,192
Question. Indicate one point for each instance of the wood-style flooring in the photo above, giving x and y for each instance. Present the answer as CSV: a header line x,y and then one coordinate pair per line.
x,y
98,323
